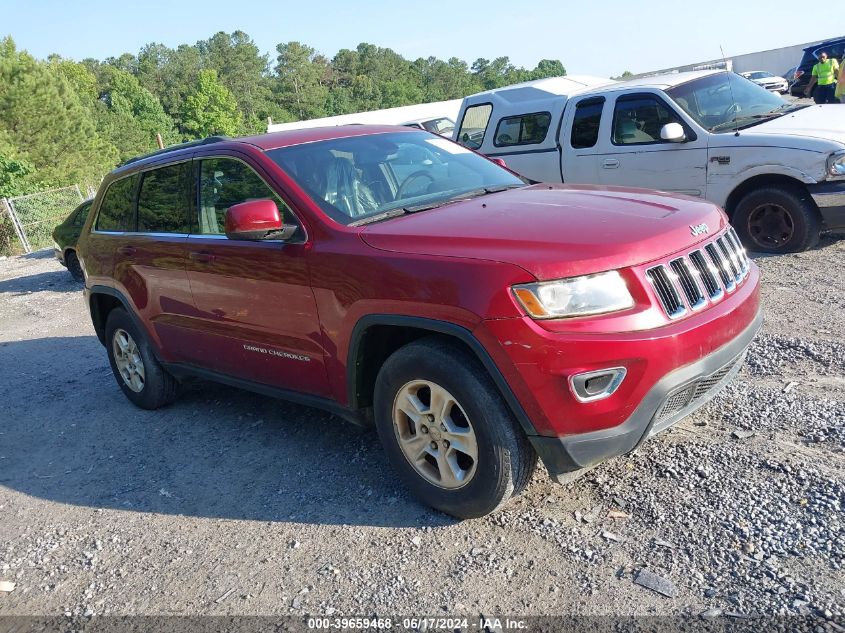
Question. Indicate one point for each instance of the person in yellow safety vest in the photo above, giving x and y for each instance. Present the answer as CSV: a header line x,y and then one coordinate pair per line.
x,y
824,79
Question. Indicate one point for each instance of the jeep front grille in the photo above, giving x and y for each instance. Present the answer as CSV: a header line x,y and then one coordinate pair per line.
x,y
703,275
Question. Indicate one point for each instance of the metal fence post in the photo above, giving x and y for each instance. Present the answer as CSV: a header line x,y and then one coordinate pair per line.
x,y
10,209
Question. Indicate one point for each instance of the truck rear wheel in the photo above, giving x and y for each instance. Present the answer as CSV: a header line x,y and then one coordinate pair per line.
x,y
777,219
447,432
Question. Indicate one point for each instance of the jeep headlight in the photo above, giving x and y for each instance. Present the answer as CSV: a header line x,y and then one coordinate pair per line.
x,y
836,164
576,296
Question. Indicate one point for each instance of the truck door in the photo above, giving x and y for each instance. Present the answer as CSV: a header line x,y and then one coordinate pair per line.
x,y
633,154
579,136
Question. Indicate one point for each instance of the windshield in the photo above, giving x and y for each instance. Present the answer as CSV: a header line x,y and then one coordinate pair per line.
x,y
726,101
441,126
358,177
759,75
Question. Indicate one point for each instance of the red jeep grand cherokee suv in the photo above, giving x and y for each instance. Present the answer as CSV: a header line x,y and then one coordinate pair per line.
x,y
392,275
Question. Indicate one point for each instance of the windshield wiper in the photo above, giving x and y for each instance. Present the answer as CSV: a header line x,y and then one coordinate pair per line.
x,y
378,217
466,195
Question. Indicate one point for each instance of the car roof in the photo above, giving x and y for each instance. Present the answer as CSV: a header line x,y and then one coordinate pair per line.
x,y
814,47
264,142
663,82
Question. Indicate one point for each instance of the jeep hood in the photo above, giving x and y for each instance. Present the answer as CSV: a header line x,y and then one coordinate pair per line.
x,y
553,231
825,122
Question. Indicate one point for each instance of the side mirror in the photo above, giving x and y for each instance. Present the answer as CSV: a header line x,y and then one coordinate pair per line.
x,y
257,220
673,132
500,162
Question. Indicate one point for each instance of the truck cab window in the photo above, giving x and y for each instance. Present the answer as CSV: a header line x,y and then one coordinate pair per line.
x,y
638,120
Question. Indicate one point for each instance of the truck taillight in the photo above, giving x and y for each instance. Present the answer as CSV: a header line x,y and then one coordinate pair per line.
x,y
798,73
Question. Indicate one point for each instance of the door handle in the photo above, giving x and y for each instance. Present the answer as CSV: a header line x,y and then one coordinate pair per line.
x,y
203,257
610,163
126,250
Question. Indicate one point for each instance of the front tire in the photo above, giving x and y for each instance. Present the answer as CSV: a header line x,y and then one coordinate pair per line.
x,y
777,219
447,432
140,376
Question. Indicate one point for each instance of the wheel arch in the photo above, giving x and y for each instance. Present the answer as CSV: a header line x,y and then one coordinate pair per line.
x,y
375,337
101,301
756,182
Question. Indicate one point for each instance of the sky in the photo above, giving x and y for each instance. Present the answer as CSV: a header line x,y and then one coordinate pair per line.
x,y
602,38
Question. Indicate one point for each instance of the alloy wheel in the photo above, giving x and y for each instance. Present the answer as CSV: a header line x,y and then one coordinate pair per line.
x,y
128,359
435,434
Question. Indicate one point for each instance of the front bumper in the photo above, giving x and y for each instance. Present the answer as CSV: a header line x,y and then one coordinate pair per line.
x,y
675,396
830,199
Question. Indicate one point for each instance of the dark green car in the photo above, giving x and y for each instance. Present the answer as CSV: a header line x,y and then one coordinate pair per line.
x,y
65,236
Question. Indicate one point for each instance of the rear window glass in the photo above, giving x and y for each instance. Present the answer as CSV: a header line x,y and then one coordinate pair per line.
x,y
525,129
118,206
585,127
474,124
164,199
81,214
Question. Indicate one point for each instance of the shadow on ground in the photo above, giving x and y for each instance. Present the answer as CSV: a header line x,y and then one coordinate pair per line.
x,y
69,435
54,281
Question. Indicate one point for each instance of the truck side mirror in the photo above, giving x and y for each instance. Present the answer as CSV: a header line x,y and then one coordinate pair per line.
x,y
673,133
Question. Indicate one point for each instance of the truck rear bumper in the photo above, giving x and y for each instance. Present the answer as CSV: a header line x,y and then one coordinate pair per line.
x,y
675,396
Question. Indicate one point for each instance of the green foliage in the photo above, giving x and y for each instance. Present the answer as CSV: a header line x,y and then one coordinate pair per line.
x,y
43,117
210,108
64,122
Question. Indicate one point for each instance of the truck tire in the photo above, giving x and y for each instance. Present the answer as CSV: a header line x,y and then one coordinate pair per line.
x,y
777,219
447,432
141,377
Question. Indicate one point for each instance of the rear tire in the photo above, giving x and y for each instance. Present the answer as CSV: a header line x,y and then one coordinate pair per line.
x,y
73,266
458,448
777,219
140,376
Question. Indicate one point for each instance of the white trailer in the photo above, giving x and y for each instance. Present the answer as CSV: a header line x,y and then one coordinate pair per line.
x,y
423,115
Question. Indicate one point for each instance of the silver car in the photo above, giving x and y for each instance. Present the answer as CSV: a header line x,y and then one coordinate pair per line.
x,y
767,80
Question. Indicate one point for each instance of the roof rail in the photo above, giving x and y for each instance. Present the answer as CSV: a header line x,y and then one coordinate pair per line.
x,y
172,148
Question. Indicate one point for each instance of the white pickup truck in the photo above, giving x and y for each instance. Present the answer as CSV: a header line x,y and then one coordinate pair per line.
x,y
777,168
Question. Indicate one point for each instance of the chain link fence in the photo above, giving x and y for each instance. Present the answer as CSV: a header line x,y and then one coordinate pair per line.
x,y
27,222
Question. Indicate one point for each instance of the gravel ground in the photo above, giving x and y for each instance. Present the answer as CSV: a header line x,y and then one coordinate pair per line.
x,y
232,503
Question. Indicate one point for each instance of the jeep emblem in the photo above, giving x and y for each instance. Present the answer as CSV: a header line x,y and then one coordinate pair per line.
x,y
699,229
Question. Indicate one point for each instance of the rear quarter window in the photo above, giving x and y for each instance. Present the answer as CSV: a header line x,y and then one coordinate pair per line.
x,y
117,210
585,126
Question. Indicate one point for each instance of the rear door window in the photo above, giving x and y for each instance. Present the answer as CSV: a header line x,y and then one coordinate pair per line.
x,y
474,124
117,210
585,127
525,129
165,199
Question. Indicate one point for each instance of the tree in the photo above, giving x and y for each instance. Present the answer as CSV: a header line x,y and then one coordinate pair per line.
x,y
548,68
43,118
210,108
300,84
242,69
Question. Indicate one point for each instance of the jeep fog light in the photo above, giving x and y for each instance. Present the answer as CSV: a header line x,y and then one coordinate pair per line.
x,y
576,296
596,385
